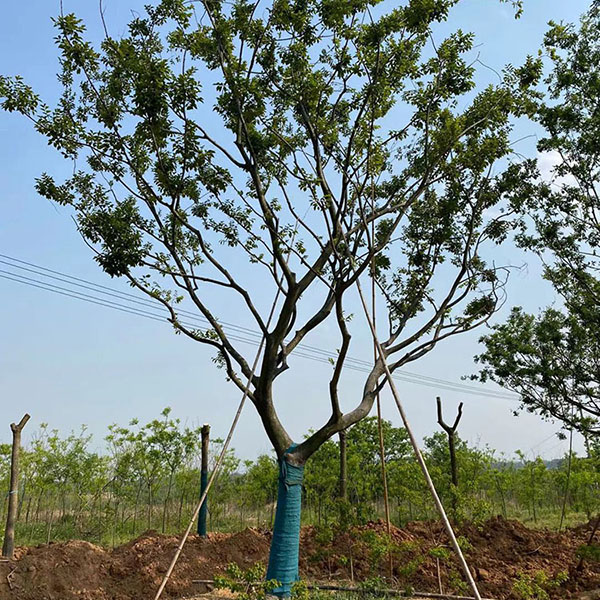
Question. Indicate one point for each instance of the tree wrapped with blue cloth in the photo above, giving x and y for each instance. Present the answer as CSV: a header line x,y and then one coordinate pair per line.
x,y
229,154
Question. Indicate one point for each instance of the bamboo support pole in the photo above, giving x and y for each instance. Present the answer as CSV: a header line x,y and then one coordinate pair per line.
x,y
223,453
419,456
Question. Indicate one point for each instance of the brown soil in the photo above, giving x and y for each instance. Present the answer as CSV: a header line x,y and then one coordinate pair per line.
x,y
500,552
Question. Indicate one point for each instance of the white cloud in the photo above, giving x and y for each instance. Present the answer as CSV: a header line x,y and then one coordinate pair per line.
x,y
547,162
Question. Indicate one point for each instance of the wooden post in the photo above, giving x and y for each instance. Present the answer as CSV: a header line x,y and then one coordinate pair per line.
x,y
205,432
8,547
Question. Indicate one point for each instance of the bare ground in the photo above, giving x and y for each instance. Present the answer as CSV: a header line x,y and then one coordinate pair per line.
x,y
498,551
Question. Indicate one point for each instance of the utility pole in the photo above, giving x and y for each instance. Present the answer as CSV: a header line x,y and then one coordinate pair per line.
x,y
8,548
205,432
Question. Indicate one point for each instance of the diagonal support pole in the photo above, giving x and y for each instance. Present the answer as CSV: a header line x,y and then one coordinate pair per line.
x,y
419,456
221,457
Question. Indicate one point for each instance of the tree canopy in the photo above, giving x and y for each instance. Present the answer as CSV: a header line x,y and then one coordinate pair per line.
x,y
237,152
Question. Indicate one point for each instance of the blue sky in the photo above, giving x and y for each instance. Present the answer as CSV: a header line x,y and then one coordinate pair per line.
x,y
67,362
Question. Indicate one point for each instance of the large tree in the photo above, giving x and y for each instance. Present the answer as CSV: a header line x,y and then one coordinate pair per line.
x,y
553,360
240,152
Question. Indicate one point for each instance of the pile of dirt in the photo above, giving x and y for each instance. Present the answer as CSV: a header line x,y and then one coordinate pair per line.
x,y
500,552
80,570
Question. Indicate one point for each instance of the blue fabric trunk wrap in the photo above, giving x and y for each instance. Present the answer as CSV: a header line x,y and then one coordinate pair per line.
x,y
204,507
283,558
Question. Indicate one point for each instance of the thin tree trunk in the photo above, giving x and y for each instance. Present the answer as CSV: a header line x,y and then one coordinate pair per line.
x,y
452,449
135,507
50,519
343,466
564,502
181,501
38,507
149,511
166,504
27,512
502,499
115,520
533,496
451,432
8,547
21,500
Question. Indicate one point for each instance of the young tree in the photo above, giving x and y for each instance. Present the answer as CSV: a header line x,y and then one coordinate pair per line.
x,y
174,445
330,120
553,360
473,465
259,487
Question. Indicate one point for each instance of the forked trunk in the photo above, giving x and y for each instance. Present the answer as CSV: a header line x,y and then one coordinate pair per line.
x,y
8,545
283,557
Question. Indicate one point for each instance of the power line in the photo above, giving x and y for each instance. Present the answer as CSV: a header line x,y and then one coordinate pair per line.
x,y
149,306
357,364
406,377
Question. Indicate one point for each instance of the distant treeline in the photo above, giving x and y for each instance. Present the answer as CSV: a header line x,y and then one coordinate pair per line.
x,y
148,477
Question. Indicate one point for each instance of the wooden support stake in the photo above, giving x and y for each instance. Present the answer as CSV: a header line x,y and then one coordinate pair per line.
x,y
8,547
205,432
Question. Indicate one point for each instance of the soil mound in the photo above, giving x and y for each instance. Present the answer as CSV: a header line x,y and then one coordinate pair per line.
x,y
499,551
79,570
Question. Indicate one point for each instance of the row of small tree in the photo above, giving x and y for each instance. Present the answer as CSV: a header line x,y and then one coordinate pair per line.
x,y
148,477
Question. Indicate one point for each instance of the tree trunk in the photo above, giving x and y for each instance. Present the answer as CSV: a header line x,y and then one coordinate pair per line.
x,y
39,505
135,507
180,512
27,512
205,432
8,547
149,509
283,557
22,500
533,494
343,466
50,518
452,450
166,503
451,431
502,499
